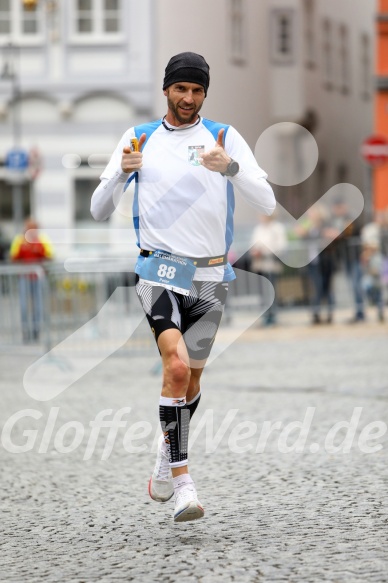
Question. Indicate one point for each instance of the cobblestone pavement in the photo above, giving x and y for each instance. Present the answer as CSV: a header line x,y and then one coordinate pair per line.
x,y
319,514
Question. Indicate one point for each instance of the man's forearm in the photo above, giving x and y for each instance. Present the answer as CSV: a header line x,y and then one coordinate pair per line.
x,y
256,190
103,202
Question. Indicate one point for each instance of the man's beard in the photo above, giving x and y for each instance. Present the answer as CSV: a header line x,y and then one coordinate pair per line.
x,y
183,120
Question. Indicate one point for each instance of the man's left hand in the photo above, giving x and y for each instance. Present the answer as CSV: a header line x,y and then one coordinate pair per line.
x,y
216,159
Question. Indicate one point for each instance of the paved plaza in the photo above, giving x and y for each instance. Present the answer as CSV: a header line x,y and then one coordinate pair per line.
x,y
290,465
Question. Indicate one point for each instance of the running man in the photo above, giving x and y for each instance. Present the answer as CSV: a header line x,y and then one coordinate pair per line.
x,y
185,172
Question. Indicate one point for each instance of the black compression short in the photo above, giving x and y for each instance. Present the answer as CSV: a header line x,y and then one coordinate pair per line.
x,y
197,315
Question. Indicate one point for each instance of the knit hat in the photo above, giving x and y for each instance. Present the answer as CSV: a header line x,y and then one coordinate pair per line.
x,y
188,67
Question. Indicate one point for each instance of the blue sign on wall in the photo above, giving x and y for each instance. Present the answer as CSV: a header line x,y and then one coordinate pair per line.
x,y
16,159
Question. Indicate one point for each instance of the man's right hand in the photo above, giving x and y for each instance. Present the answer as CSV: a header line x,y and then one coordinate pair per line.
x,y
133,161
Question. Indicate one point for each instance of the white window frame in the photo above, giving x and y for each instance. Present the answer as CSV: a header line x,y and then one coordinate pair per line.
x,y
237,32
97,35
16,35
279,57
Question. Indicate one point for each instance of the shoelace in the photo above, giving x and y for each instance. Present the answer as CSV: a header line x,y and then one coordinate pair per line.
x,y
163,469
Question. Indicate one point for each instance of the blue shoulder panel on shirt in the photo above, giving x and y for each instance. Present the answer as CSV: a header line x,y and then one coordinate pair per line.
x,y
147,128
214,127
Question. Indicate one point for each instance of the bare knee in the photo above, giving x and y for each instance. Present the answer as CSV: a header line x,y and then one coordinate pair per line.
x,y
176,376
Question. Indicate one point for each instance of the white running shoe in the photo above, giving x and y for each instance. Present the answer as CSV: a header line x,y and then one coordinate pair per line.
x,y
160,486
187,505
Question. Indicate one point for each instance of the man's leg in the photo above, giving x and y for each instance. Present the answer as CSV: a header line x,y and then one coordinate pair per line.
x,y
355,271
179,383
173,410
37,307
199,315
163,309
316,298
175,418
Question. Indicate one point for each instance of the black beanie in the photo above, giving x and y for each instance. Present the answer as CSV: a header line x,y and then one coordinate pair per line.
x,y
188,67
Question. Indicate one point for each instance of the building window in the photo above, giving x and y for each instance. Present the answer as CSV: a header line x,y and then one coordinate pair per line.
x,y
309,36
84,16
237,32
5,17
6,198
283,36
84,188
111,16
94,18
19,23
29,21
344,60
327,50
366,67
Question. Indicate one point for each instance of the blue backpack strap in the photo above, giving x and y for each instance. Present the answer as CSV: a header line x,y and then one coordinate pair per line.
x,y
214,127
132,177
148,129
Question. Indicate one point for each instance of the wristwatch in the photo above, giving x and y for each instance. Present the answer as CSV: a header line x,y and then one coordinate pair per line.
x,y
232,168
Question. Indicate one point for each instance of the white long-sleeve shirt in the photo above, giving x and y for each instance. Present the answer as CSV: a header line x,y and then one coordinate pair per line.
x,y
179,205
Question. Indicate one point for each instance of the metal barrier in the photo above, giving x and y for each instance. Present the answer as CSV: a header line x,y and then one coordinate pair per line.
x,y
94,306
47,306
294,286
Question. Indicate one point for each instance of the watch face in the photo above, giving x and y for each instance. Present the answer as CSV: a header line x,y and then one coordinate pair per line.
x,y
233,168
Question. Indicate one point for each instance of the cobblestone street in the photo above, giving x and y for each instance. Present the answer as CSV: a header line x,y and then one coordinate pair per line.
x,y
277,507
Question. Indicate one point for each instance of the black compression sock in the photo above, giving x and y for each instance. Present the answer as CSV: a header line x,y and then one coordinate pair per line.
x,y
175,418
193,404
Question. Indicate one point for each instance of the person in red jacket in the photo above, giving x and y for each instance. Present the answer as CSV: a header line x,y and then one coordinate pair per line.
x,y
36,249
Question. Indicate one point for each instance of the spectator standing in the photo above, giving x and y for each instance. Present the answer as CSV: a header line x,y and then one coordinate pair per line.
x,y
269,238
36,249
347,249
373,239
321,267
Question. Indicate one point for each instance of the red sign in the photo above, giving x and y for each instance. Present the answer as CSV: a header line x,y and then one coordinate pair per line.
x,y
374,150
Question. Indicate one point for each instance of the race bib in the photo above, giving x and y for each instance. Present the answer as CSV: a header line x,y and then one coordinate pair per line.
x,y
168,270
